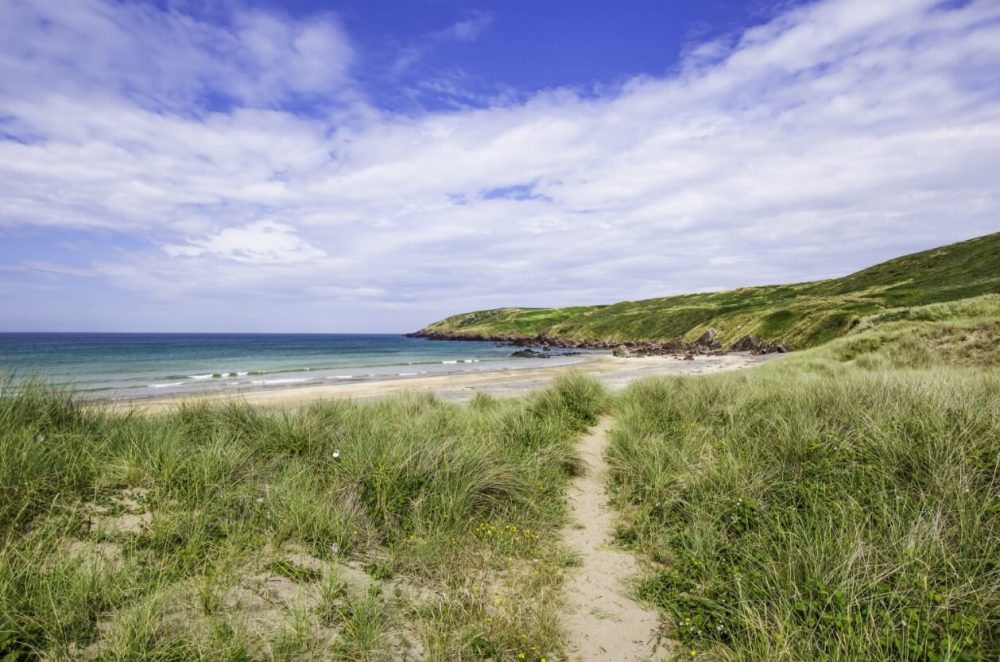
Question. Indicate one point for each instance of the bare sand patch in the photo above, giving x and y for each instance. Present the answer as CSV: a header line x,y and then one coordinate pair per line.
x,y
261,603
125,513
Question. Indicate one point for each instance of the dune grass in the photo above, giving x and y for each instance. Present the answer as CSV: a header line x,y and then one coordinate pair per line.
x,y
403,528
824,507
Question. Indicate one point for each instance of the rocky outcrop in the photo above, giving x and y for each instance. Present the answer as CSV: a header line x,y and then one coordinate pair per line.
x,y
709,340
756,345
707,343
529,353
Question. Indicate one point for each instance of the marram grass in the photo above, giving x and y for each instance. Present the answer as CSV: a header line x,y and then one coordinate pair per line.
x,y
403,528
798,513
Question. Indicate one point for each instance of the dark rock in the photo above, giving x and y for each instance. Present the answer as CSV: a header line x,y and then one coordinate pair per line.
x,y
529,353
756,345
708,340
708,343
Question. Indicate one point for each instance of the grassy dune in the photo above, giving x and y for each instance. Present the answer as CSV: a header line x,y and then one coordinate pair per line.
x,y
800,315
840,503
406,528
843,503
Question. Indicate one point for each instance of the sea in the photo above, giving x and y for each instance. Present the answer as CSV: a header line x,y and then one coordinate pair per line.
x,y
140,365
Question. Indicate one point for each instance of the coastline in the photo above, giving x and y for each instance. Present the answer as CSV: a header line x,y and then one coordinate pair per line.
x,y
708,343
616,373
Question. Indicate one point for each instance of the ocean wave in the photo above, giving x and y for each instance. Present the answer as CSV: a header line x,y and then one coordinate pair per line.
x,y
449,362
407,374
268,382
165,385
343,376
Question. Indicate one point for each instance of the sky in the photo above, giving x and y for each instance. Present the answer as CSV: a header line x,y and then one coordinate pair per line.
x,y
348,166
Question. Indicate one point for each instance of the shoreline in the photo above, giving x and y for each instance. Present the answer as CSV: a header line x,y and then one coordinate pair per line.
x,y
614,372
706,344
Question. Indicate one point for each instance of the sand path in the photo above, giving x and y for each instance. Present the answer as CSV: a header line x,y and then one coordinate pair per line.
x,y
603,622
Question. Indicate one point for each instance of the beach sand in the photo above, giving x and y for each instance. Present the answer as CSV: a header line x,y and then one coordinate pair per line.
x,y
615,373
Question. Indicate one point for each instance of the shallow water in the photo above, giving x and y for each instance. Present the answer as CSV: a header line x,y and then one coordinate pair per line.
x,y
135,365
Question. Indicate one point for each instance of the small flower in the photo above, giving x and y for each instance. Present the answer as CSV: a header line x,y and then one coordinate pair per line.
x,y
334,549
693,653
336,455
40,438
259,500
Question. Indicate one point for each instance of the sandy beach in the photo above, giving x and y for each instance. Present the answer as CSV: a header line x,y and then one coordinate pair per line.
x,y
615,373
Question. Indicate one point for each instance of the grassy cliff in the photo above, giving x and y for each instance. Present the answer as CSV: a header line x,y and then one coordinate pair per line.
x,y
799,315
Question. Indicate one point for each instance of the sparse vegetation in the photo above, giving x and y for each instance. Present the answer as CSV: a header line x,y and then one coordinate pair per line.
x,y
404,528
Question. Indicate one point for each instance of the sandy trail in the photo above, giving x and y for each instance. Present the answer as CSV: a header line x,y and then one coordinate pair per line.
x,y
603,622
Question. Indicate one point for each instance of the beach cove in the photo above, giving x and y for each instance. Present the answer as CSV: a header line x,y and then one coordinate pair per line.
x,y
615,373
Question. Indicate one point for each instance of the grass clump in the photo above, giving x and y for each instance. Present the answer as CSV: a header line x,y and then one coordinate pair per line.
x,y
340,530
828,513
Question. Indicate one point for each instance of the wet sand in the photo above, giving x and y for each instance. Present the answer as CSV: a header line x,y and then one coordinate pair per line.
x,y
616,373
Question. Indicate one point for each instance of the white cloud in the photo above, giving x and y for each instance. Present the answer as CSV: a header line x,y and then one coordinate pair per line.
x,y
167,59
464,31
468,29
838,134
264,242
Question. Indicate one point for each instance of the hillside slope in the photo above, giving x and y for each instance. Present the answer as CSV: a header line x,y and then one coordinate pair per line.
x,y
797,315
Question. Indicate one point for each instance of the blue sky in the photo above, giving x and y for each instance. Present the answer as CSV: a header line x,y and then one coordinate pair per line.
x,y
372,166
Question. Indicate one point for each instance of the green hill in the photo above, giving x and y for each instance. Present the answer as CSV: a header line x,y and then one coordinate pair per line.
x,y
798,315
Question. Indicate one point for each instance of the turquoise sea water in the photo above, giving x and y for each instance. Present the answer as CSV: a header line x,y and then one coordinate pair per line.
x,y
135,365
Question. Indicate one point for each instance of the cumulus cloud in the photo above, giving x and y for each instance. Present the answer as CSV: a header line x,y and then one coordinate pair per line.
x,y
835,135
